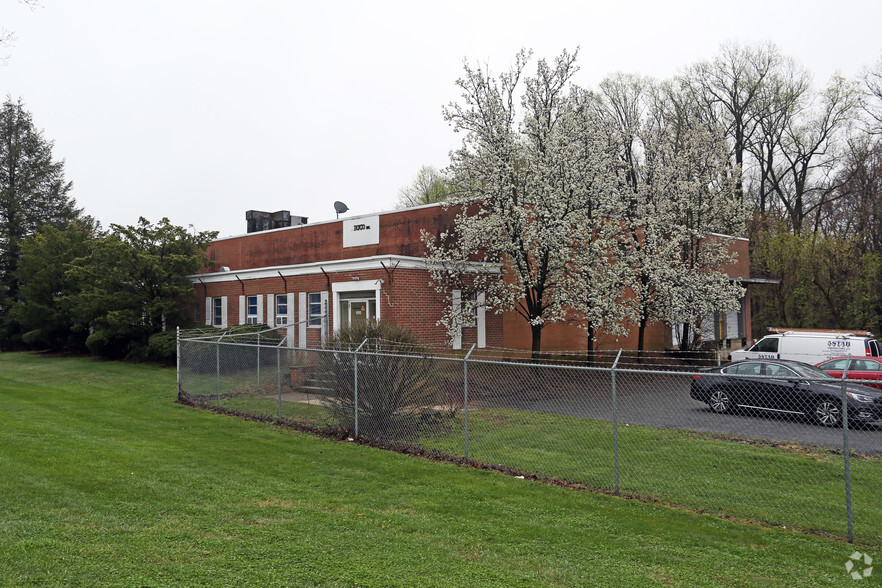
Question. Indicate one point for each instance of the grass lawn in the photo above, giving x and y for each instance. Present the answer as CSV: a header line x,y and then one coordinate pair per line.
x,y
105,481
783,486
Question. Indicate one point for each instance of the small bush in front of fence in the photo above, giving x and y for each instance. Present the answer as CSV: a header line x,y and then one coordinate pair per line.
x,y
397,387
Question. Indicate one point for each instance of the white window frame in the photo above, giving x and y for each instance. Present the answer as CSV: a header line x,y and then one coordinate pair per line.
x,y
315,319
217,318
281,303
302,319
481,318
251,318
270,309
212,305
476,318
456,303
469,309
354,286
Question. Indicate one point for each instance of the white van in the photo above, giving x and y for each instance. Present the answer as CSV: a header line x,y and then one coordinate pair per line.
x,y
811,346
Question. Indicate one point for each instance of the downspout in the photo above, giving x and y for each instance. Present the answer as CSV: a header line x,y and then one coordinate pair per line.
x,y
327,277
389,271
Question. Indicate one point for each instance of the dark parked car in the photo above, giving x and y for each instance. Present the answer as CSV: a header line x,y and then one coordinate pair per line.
x,y
781,386
859,368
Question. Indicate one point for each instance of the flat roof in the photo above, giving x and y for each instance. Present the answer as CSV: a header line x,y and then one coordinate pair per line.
x,y
333,220
397,211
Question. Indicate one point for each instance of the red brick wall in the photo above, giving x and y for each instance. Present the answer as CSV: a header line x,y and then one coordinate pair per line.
x,y
741,267
407,297
412,301
233,289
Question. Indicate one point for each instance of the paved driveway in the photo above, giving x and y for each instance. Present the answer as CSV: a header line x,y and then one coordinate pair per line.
x,y
662,400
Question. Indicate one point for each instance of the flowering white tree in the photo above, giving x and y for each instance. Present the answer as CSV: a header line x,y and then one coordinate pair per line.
x,y
598,276
705,203
536,199
678,189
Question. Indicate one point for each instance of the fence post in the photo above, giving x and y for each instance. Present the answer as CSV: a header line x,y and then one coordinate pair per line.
x,y
615,420
217,368
465,395
258,362
178,353
355,396
279,375
849,515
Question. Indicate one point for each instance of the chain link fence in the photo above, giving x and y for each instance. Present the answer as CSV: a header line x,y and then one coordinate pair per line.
x,y
699,438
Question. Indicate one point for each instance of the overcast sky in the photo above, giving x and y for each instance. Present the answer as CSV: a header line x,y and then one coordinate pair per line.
x,y
199,110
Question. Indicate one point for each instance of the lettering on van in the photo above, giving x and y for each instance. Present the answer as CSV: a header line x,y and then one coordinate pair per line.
x,y
839,344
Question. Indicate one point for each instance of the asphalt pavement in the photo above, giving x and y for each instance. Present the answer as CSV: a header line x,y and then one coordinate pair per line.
x,y
662,400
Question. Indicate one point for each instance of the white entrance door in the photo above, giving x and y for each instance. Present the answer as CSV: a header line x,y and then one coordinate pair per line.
x,y
357,311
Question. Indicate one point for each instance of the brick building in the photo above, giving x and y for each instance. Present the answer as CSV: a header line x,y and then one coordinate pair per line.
x,y
311,279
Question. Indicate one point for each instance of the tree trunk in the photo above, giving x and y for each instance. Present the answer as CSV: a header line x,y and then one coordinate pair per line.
x,y
684,338
591,342
641,332
536,331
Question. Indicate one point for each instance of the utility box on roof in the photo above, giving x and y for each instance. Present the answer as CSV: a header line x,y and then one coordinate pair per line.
x,y
265,221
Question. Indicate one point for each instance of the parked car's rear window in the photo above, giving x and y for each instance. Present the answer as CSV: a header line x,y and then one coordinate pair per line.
x,y
810,371
744,369
866,365
779,371
834,365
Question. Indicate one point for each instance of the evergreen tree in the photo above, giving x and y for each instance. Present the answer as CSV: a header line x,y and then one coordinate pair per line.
x,y
33,194
47,288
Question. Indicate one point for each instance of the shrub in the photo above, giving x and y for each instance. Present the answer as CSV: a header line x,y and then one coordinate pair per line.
x,y
398,387
55,340
35,339
109,344
163,347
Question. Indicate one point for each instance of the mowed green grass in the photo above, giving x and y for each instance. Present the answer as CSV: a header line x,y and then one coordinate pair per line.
x,y
785,485
105,481
777,485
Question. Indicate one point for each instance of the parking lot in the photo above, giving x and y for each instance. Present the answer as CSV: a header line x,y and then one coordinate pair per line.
x,y
662,400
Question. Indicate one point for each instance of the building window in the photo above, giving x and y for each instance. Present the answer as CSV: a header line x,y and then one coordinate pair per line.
x,y
251,310
281,309
315,309
469,309
217,312
356,307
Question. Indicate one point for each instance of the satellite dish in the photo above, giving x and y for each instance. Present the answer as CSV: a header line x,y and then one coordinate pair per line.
x,y
340,207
